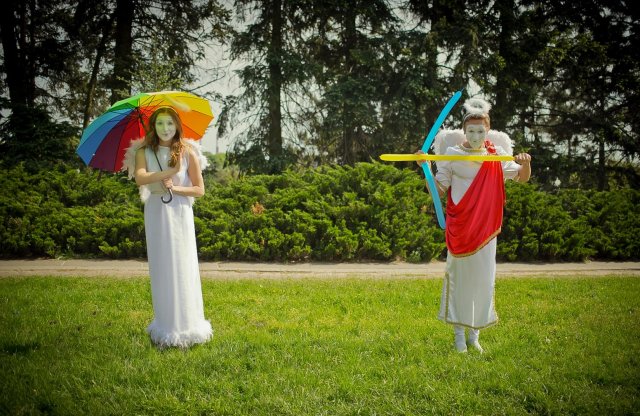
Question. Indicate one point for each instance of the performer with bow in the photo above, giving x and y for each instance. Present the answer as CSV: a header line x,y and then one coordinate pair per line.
x,y
475,202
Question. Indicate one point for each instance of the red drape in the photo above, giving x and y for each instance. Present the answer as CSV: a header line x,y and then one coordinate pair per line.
x,y
477,218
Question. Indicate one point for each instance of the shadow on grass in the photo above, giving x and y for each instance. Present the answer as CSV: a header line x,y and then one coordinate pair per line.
x,y
20,349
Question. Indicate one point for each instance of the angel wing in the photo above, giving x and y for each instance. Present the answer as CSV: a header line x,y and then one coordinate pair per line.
x,y
447,138
197,148
129,165
129,161
450,138
501,139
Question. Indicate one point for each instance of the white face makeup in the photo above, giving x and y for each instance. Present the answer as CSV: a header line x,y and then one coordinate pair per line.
x,y
476,133
165,127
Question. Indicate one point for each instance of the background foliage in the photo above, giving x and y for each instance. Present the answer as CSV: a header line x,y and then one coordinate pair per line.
x,y
322,85
338,81
367,212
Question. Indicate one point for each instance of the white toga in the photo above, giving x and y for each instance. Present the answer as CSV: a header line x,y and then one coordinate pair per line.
x,y
467,292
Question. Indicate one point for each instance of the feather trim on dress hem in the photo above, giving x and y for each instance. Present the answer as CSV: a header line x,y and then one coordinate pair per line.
x,y
202,333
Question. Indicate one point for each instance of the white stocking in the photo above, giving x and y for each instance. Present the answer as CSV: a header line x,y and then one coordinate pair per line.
x,y
473,339
460,343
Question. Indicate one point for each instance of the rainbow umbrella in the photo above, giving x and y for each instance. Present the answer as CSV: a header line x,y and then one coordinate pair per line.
x,y
105,141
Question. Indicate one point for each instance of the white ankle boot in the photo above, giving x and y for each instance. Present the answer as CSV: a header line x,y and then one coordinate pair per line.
x,y
459,340
473,340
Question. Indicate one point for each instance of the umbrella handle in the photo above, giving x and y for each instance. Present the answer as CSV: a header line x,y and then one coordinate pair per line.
x,y
168,190
170,197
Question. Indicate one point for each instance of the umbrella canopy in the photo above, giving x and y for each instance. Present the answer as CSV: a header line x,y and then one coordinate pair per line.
x,y
105,140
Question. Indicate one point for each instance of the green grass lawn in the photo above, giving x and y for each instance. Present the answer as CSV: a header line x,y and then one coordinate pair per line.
x,y
354,346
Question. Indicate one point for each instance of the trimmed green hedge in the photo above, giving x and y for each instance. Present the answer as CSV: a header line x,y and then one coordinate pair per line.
x,y
67,212
367,212
370,212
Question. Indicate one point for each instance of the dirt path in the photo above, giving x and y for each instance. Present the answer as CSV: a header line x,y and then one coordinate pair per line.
x,y
233,270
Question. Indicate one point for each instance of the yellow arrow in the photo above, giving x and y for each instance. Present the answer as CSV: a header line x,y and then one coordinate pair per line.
x,y
474,158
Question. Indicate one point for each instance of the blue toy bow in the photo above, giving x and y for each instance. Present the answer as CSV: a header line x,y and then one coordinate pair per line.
x,y
431,183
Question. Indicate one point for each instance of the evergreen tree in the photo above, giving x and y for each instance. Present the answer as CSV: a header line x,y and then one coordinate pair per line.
x,y
271,42
32,47
561,76
347,48
592,87
85,54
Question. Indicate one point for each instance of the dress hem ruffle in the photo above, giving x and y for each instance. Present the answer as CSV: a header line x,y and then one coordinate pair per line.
x,y
202,333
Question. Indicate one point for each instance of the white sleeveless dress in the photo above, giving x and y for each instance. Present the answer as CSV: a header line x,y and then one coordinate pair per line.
x,y
173,262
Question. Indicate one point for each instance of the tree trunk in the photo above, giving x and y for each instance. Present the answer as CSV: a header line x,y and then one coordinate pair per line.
x,y
432,108
14,59
28,45
274,139
501,106
106,29
602,166
122,63
348,156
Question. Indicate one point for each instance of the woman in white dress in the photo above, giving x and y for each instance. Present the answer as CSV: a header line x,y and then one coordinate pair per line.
x,y
474,218
169,168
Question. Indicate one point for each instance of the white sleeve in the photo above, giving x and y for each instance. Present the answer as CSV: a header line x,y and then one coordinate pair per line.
x,y
510,169
445,171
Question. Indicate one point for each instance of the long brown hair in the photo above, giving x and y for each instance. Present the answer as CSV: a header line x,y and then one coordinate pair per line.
x,y
152,140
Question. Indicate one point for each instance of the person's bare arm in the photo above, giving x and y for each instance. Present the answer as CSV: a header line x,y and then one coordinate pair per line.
x,y
195,174
143,177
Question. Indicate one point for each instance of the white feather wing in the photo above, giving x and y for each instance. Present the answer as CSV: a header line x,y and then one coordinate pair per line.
x,y
197,148
501,139
446,139
129,162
